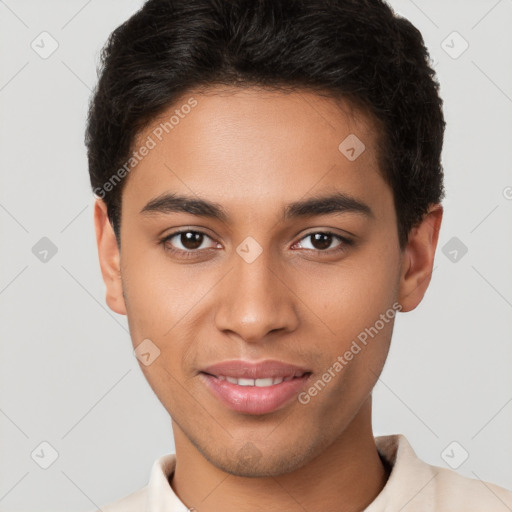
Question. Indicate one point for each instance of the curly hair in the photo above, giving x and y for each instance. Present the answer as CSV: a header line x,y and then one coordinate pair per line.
x,y
359,50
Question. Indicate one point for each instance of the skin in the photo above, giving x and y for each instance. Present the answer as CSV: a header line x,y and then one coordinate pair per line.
x,y
254,151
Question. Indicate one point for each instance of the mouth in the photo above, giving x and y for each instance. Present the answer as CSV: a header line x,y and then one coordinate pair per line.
x,y
251,388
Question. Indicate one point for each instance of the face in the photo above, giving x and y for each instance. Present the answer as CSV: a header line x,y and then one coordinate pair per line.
x,y
251,278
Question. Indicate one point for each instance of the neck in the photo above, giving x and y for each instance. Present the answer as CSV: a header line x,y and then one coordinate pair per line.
x,y
346,476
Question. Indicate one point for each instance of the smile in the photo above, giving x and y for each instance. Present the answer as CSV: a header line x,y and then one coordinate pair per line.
x,y
255,396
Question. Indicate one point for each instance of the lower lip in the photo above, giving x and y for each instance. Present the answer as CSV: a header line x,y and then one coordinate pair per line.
x,y
254,399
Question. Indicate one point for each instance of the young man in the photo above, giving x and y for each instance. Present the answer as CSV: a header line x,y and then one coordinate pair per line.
x,y
269,193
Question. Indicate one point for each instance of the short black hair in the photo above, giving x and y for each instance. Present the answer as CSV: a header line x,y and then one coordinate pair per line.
x,y
358,50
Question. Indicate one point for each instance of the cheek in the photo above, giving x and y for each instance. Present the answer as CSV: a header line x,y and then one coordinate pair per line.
x,y
159,292
351,296
354,356
165,305
155,298
356,303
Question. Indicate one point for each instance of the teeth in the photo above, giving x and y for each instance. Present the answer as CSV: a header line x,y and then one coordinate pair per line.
x,y
245,382
260,383
263,383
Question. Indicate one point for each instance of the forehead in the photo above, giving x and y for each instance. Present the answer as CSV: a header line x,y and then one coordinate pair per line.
x,y
250,147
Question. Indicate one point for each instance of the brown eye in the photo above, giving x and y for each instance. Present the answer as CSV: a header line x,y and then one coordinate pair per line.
x,y
191,239
186,242
322,241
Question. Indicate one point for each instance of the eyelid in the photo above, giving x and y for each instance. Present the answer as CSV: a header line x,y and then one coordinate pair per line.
x,y
180,231
345,242
340,248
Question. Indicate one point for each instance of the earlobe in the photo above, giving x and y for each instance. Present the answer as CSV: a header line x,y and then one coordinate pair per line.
x,y
109,258
418,259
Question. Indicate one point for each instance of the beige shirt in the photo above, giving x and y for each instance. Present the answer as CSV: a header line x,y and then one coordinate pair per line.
x,y
412,486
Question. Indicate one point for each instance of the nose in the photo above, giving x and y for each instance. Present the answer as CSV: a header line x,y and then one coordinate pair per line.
x,y
256,299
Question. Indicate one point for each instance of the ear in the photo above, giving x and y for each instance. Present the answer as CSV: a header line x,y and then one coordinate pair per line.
x,y
108,253
418,259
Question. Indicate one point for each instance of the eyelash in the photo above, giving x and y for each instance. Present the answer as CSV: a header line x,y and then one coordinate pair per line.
x,y
192,253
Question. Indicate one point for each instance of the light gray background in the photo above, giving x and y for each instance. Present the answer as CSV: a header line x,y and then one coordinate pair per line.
x,y
68,376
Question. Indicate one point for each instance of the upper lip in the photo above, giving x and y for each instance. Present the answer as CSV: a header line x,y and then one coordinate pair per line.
x,y
238,368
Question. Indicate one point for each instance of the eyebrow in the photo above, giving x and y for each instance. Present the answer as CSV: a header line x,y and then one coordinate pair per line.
x,y
332,204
